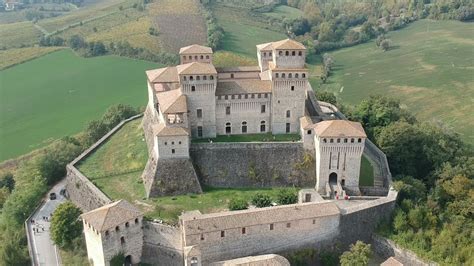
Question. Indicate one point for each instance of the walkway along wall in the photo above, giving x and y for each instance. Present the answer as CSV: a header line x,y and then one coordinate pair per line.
x,y
261,164
80,190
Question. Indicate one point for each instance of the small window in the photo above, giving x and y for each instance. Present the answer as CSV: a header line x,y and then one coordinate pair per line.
x,y
280,52
345,140
222,233
287,53
136,220
276,75
202,237
166,143
211,77
184,57
127,224
232,75
293,53
271,226
331,140
204,77
359,140
270,54
300,53
290,75
262,108
107,233
264,54
184,77
196,57
198,77
117,228
172,143
227,110
243,231
262,126
190,57
244,127
304,75
246,96
283,75
338,140
191,78
173,151
199,113
296,75
314,221
207,57
292,88
253,96
309,132
202,56
288,113
288,225
288,127
259,95
352,140
228,128
122,240
193,88
179,142
200,132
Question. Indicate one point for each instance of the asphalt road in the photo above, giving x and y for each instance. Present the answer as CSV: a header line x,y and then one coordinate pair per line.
x,y
44,250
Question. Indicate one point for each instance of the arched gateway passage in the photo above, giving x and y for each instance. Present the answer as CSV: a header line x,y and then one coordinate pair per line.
x,y
333,178
128,260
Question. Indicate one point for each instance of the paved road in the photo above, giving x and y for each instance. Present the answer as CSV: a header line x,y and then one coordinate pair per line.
x,y
45,252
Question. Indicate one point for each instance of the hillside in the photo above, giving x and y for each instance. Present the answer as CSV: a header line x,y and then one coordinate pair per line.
x,y
430,69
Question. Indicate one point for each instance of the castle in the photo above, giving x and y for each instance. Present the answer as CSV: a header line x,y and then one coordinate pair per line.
x,y
195,100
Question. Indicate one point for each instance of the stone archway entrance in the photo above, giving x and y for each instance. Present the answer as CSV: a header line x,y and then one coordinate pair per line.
x,y
128,260
333,178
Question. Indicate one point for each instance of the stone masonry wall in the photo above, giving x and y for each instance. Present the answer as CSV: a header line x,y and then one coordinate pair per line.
x,y
387,248
82,192
263,164
162,245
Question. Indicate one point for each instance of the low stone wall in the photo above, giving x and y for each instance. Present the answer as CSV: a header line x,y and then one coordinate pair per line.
x,y
261,164
162,245
80,190
387,248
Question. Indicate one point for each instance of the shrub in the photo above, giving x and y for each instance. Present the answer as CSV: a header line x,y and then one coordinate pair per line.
x,y
261,200
238,204
359,254
287,196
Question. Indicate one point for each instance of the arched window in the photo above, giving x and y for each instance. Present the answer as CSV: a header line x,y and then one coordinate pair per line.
x,y
207,57
293,53
283,75
287,53
127,224
198,77
325,140
184,77
184,57
122,240
304,75
193,88
204,77
228,128
280,53
276,75
190,58
194,261
292,88
191,78
107,233
296,75
352,140
300,53
202,56
244,127
270,54
117,228
288,113
264,54
196,57
136,220
359,140
290,76
262,126
232,75
211,77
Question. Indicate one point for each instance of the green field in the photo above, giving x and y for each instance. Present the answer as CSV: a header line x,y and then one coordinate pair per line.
x,y
55,95
430,69
283,11
116,168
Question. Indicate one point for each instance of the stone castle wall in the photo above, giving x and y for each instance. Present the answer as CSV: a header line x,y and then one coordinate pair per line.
x,y
263,164
162,245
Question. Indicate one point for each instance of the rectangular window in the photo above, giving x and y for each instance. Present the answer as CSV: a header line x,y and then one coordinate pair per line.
x,y
199,113
227,110
222,233
288,127
262,109
271,226
314,221
202,236
243,231
200,132
288,225
172,151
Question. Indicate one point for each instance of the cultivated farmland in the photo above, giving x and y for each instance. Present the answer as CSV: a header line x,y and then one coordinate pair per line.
x,y
55,95
430,69
16,56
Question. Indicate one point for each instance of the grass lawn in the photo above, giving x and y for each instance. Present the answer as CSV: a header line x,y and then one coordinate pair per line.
x,y
366,177
283,11
55,95
430,69
252,138
16,56
116,169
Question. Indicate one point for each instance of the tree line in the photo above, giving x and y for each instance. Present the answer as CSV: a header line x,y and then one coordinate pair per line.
x,y
21,191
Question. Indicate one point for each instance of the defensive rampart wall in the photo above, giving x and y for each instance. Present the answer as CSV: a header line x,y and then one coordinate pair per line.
x,y
162,245
261,164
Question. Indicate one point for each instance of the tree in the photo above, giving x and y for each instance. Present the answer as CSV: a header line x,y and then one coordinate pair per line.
x,y
385,45
326,96
238,204
261,200
7,181
65,224
76,42
358,255
12,251
287,196
312,13
4,193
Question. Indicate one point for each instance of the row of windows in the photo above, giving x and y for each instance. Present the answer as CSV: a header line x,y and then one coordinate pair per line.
x,y
191,78
293,53
243,230
195,57
117,228
359,140
265,54
290,75
172,143
228,128
244,96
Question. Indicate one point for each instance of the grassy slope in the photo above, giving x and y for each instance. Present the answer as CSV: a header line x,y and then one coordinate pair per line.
x,y
430,70
283,11
116,168
366,173
55,95
16,56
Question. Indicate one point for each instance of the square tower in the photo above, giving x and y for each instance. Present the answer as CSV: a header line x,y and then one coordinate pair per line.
x,y
195,53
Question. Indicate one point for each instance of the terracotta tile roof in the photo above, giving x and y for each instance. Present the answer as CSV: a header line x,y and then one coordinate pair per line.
x,y
288,44
164,131
338,128
391,262
265,46
197,224
243,86
172,101
195,49
306,122
238,69
262,260
111,215
196,68
166,74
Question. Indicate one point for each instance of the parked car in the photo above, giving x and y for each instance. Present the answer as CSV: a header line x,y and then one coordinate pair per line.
x,y
52,196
